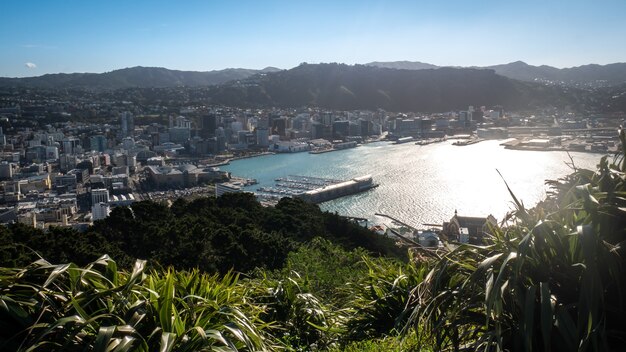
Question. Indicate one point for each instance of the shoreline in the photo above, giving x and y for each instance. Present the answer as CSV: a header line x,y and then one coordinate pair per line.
x,y
229,160
250,156
322,151
467,142
553,149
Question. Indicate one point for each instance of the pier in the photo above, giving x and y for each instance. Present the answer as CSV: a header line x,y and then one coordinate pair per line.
x,y
313,189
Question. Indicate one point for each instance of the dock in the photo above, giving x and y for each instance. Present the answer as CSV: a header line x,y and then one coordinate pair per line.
x,y
314,189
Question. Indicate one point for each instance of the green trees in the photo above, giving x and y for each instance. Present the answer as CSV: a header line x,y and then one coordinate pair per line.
x,y
213,235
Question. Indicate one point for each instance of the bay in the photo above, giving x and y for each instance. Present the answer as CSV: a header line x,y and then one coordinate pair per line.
x,y
424,184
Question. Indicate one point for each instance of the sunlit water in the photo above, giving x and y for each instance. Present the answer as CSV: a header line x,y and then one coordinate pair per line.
x,y
424,184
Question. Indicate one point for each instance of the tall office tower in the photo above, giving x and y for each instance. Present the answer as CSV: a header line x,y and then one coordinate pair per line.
x,y
127,123
209,125
98,143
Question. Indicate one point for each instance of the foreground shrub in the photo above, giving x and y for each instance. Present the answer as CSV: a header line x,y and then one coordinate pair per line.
x,y
97,307
551,280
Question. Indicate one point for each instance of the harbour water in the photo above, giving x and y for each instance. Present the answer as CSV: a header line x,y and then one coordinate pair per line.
x,y
423,184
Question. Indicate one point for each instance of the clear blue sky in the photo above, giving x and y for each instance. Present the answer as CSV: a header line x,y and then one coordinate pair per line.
x,y
38,37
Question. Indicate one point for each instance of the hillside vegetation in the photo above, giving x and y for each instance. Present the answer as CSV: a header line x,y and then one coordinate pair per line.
x,y
214,235
586,75
344,87
132,77
330,86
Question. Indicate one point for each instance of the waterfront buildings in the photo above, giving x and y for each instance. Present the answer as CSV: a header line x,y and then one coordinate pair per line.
x,y
185,175
227,187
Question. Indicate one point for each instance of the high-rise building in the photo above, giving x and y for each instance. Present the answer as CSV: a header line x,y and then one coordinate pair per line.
x,y
128,143
366,128
127,123
262,123
209,125
67,162
262,137
99,196
341,129
236,126
70,144
36,153
52,153
478,116
183,122
220,137
463,118
319,130
500,111
6,171
179,134
327,119
98,143
279,126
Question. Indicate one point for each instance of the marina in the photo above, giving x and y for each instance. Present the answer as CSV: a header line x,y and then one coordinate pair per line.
x,y
312,189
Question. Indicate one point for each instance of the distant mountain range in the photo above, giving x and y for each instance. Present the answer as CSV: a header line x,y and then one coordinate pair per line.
x,y
393,86
403,65
134,77
339,86
146,77
586,75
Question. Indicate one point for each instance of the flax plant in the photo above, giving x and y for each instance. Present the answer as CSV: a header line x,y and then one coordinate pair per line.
x,y
553,279
65,307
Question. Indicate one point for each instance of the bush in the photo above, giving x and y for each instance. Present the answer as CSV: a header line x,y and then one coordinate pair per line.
x,y
552,280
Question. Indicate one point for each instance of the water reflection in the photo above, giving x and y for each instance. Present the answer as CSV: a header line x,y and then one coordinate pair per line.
x,y
424,184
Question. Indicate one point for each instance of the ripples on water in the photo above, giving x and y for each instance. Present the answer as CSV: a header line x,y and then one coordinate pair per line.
x,y
424,184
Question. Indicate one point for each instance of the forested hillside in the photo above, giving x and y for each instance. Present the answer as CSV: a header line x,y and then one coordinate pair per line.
x,y
344,87
213,235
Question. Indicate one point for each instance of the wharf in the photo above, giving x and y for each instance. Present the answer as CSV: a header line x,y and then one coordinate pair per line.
x,y
221,163
467,142
430,141
314,189
309,180
575,145
404,140
321,151
335,147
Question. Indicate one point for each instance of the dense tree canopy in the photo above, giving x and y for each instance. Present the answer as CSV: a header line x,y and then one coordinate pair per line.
x,y
214,235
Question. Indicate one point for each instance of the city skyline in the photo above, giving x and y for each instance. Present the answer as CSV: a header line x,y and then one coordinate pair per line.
x,y
45,37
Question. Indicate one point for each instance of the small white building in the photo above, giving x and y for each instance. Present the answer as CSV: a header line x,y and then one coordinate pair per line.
x,y
289,147
227,187
100,211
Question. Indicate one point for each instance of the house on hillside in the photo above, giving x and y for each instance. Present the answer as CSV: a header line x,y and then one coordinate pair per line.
x,y
467,229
